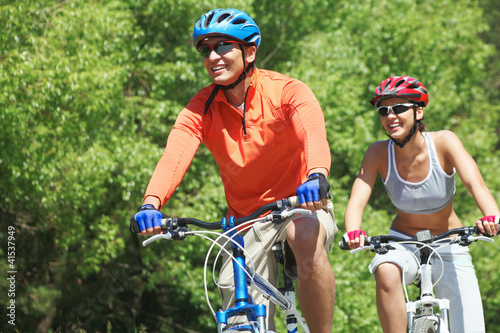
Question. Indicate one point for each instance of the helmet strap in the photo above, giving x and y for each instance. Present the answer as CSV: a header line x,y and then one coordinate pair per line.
x,y
412,132
243,74
240,78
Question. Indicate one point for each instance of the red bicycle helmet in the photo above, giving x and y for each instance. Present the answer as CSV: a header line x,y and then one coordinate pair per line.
x,y
401,86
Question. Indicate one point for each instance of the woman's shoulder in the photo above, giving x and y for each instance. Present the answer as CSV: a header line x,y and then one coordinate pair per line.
x,y
443,135
376,158
378,147
449,149
444,139
376,153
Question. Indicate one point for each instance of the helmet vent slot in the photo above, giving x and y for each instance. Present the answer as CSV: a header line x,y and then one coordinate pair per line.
x,y
240,21
208,20
400,82
223,17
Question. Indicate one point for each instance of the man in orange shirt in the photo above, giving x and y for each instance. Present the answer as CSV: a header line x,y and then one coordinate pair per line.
x,y
266,132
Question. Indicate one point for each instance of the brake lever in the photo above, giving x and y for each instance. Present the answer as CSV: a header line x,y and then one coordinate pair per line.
x,y
483,238
171,232
296,211
466,240
363,248
154,238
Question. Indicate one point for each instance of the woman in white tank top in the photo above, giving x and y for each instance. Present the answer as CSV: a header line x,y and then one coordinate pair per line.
x,y
418,172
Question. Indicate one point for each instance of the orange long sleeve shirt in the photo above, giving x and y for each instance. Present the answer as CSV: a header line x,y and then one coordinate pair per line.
x,y
263,154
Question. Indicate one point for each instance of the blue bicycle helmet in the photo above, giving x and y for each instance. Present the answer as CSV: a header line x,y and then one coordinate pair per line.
x,y
229,22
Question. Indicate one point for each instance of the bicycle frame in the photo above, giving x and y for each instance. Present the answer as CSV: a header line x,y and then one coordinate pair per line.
x,y
243,302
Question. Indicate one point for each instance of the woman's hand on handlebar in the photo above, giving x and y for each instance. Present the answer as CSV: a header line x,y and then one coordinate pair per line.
x,y
355,238
488,225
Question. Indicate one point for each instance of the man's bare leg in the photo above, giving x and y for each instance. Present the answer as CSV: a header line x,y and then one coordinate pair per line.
x,y
315,276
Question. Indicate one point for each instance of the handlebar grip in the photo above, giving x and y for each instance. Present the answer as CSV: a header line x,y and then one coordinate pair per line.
x,y
294,201
498,233
134,225
343,245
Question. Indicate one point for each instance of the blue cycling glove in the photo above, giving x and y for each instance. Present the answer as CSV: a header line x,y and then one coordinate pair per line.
x,y
147,216
314,189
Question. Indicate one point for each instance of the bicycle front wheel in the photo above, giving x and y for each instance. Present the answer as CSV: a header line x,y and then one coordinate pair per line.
x,y
425,325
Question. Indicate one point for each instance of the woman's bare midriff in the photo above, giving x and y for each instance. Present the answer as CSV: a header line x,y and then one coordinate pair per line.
x,y
437,223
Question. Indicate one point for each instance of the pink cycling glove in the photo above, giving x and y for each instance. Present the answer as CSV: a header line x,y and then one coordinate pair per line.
x,y
490,218
490,230
351,235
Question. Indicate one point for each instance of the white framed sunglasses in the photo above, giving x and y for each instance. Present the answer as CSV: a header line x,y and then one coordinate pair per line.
x,y
384,111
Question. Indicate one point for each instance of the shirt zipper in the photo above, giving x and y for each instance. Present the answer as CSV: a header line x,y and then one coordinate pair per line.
x,y
244,113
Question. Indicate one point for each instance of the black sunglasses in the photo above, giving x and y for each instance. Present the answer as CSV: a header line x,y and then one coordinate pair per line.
x,y
220,48
384,111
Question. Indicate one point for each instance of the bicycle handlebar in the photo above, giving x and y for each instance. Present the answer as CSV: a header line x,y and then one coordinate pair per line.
x,y
278,205
176,228
424,236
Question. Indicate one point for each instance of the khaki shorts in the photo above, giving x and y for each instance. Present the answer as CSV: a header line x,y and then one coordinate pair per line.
x,y
258,242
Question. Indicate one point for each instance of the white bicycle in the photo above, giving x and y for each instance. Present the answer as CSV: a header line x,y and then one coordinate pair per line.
x,y
427,314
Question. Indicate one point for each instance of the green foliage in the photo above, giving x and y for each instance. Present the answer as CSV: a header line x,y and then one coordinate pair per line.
x,y
89,91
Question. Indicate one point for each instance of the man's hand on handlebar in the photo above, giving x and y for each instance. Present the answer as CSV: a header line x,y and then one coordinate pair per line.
x,y
148,219
488,225
314,193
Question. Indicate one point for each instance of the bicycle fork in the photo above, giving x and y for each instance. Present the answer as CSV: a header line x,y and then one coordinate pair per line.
x,y
425,305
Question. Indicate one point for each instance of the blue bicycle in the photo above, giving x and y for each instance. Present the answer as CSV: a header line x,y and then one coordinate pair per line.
x,y
245,277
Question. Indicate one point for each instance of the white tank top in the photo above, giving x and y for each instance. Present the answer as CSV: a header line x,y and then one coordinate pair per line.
x,y
427,196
